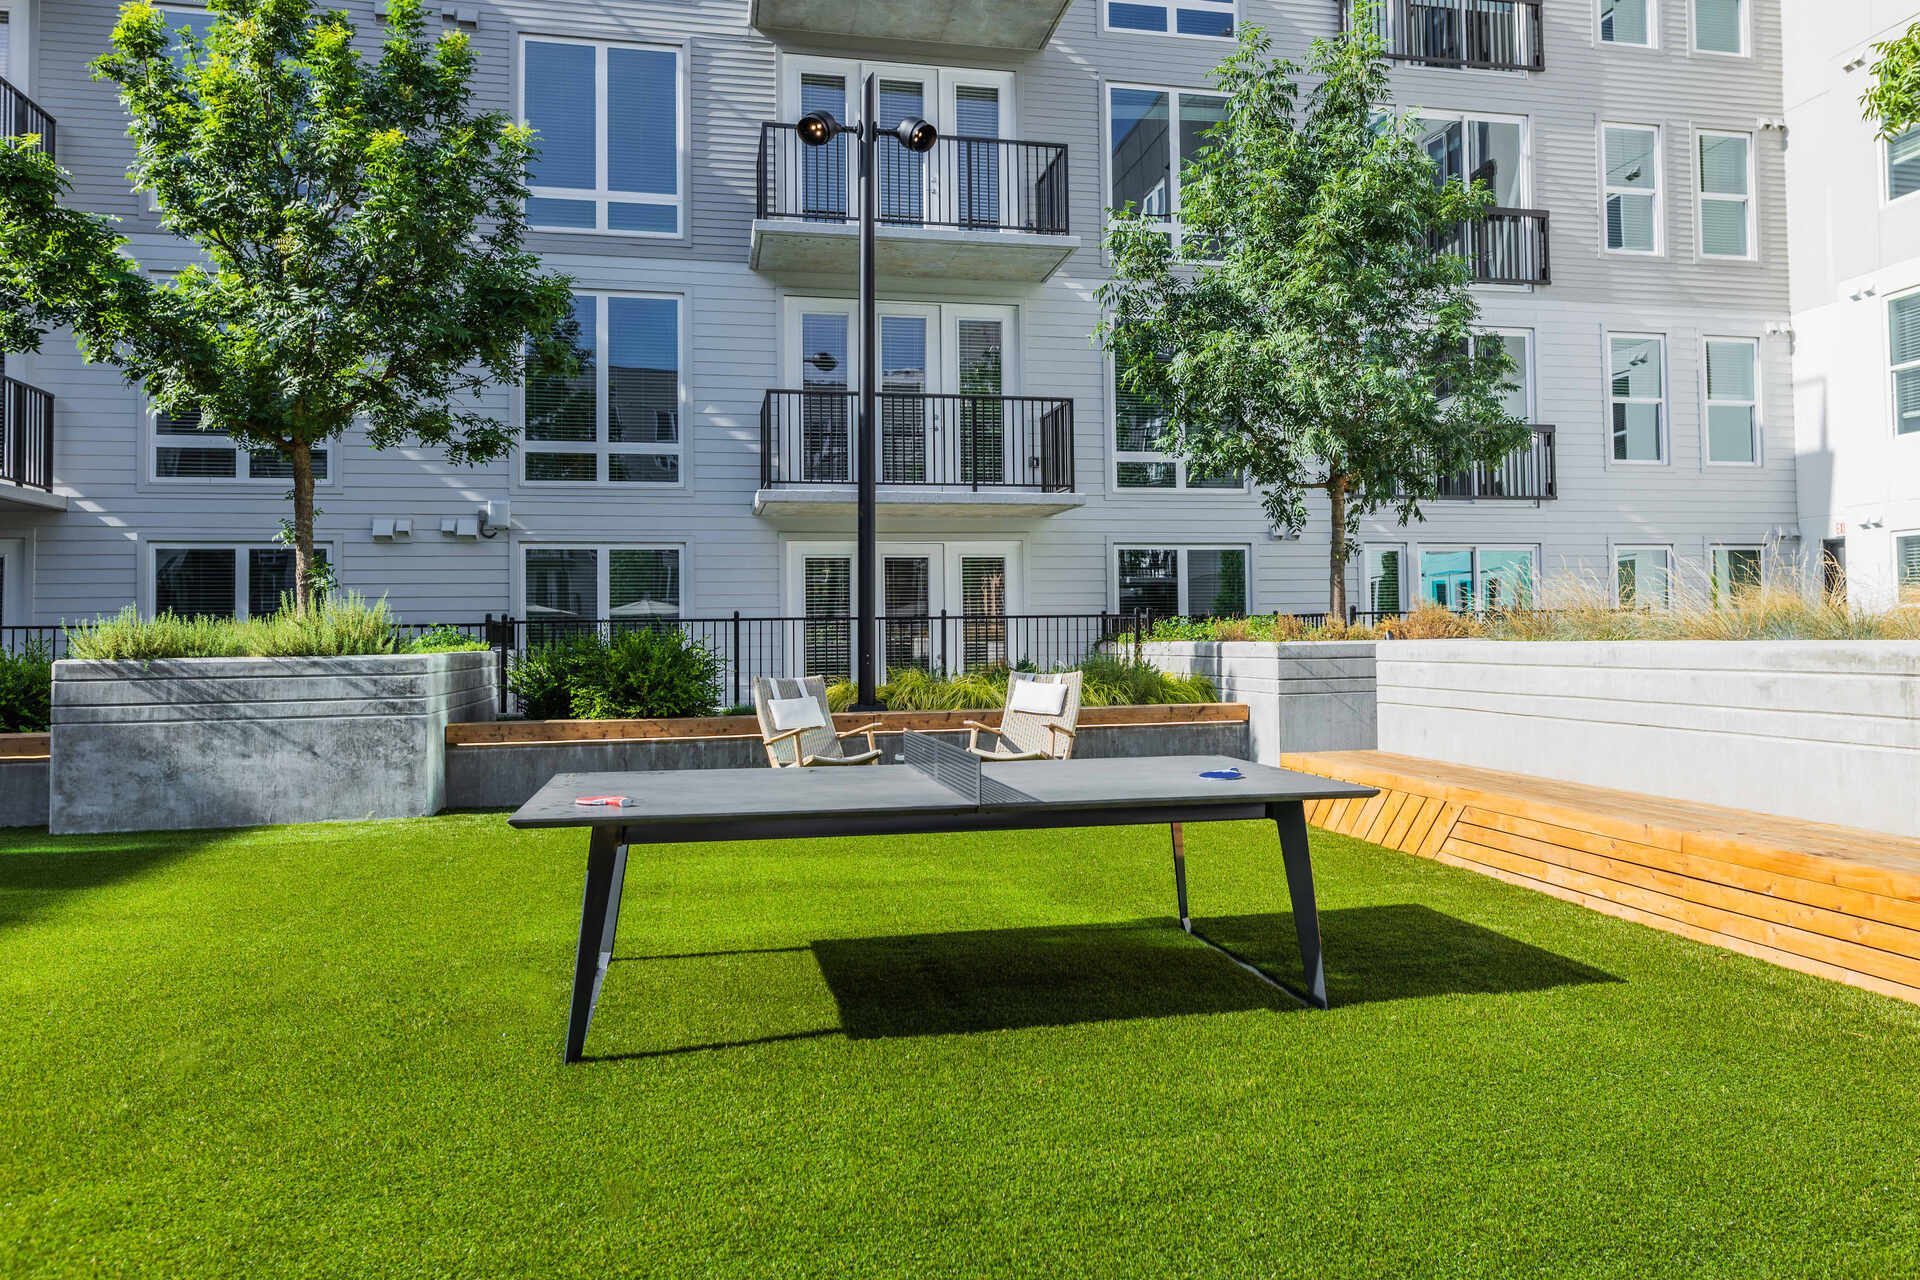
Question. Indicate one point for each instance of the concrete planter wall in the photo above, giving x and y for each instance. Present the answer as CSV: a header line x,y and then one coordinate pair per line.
x,y
230,742
1301,696
23,779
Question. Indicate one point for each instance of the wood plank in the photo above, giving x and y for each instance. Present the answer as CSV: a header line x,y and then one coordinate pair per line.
x,y
1442,828
1395,801
1359,820
1416,834
1397,832
25,746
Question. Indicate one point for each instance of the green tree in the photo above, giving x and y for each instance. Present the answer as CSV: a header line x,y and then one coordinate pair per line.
x,y
360,228
1892,99
1303,331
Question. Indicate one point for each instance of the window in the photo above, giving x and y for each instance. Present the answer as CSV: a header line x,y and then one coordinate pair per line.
x,y
1906,567
1632,158
1145,155
1518,397
1638,392
585,583
1720,26
1138,424
223,582
1178,17
1187,581
1726,195
1643,577
197,21
1903,164
611,136
183,450
1487,149
1383,579
617,419
1733,400
1736,571
1627,22
1903,320
1468,579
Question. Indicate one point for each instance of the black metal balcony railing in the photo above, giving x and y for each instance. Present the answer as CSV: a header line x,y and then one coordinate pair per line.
x,y
954,441
26,435
1508,246
973,184
1489,35
1526,475
21,115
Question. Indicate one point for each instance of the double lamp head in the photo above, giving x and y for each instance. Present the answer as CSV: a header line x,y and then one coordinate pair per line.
x,y
817,128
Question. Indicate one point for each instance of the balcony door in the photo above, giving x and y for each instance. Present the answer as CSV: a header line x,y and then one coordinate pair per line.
x,y
973,584
1489,149
978,435
13,584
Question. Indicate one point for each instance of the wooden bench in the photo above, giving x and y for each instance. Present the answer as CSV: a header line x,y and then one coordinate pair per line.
x,y
1827,900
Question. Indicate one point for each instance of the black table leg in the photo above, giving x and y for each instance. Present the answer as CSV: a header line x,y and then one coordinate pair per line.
x,y
1291,819
1180,874
599,920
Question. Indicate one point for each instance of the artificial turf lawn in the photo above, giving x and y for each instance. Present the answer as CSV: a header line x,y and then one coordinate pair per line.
x,y
334,1050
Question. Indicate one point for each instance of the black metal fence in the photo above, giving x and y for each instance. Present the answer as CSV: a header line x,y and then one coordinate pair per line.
x,y
1490,35
972,184
1507,246
1525,475
963,441
26,435
21,115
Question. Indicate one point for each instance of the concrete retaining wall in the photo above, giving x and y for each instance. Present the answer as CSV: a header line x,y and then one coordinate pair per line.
x,y
504,776
1824,730
1304,696
23,793
230,742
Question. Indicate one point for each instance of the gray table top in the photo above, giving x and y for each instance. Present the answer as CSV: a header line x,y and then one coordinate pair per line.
x,y
725,795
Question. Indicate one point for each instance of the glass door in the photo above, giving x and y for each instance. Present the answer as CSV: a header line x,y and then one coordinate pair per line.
x,y
985,433
826,631
906,606
823,369
825,171
902,196
907,439
977,116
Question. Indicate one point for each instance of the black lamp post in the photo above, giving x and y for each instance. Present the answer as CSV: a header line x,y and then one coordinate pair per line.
x,y
816,129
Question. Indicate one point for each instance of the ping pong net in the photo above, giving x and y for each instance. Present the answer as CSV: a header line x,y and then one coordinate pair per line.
x,y
958,770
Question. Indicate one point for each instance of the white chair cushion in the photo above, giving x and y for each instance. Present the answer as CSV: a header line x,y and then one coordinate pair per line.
x,y
1037,698
795,713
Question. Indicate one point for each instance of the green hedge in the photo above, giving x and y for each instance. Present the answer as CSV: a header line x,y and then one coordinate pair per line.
x,y
642,673
26,690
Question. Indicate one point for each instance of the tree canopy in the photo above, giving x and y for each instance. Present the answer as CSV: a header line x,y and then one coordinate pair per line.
x,y
1307,327
358,227
1892,99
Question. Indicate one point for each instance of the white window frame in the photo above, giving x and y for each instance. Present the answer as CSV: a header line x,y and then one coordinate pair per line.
x,y
601,446
1895,370
1116,456
19,68
604,567
1527,371
1614,552
1713,581
1363,590
1666,397
1658,190
1182,549
1413,588
152,547
602,195
1886,174
1900,536
1173,20
1746,32
1171,223
220,440
1653,29
1438,114
942,81
1701,196
1759,395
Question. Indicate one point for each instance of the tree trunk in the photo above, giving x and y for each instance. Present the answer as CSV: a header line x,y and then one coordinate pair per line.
x,y
300,454
1337,551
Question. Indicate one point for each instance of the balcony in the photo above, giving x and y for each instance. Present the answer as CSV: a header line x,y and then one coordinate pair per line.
x,y
26,446
939,454
969,209
21,115
1479,35
1508,246
974,24
1525,476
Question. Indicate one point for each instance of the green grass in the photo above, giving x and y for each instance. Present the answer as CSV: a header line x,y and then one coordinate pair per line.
x,y
334,1050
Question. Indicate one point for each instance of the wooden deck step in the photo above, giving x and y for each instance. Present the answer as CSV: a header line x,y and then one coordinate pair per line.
x,y
1828,900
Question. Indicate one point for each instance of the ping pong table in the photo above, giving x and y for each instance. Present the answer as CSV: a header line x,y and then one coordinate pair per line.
x,y
939,788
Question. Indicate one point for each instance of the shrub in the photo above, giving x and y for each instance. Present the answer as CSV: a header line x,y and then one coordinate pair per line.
x,y
654,671
445,639
128,636
1107,682
26,690
1430,622
542,680
339,625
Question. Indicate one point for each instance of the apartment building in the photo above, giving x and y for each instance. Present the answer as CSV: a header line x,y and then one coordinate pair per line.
x,y
1637,268
1854,214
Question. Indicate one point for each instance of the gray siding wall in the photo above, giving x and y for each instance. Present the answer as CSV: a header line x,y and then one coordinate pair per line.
x,y
95,556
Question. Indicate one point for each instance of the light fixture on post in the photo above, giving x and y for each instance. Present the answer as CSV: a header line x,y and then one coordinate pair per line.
x,y
816,129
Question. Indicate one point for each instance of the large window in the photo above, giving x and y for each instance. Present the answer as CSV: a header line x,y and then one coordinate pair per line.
x,y
617,419
1486,149
1643,577
570,584
1175,17
1384,579
1903,321
1735,572
183,450
1631,155
1720,26
1146,152
1906,567
1726,195
611,135
1903,164
1138,424
1627,22
1188,581
1637,391
1733,400
223,582
1468,579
